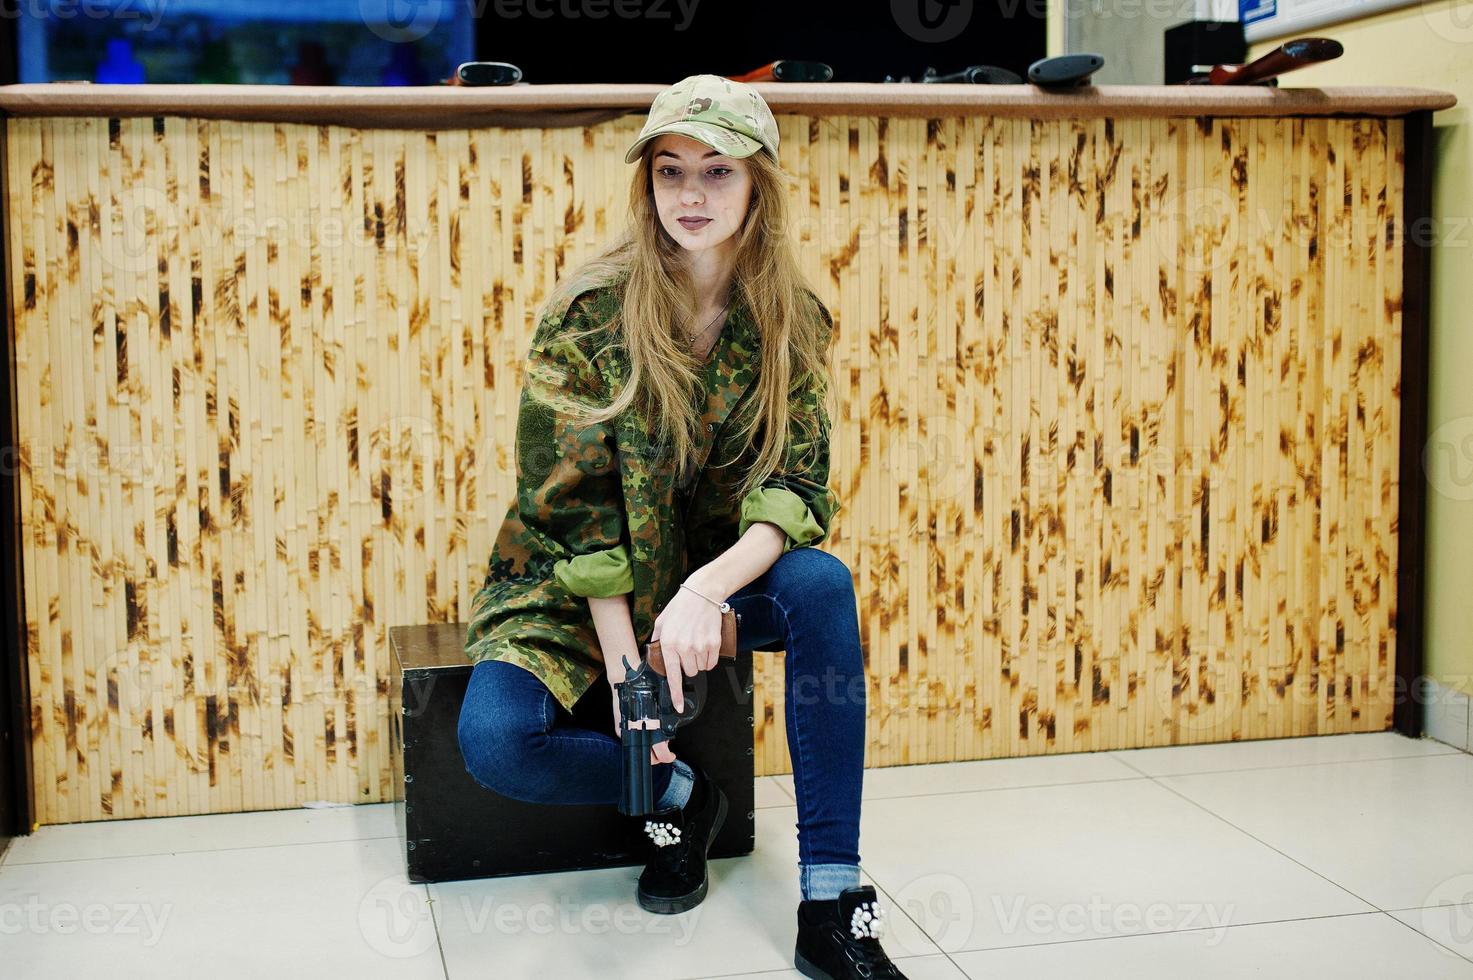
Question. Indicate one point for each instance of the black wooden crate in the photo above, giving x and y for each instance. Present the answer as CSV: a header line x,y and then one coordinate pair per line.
x,y
453,828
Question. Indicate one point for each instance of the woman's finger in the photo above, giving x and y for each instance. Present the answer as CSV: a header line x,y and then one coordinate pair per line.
x,y
693,662
675,679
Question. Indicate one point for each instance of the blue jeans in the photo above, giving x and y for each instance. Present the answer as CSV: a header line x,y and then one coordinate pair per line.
x,y
517,740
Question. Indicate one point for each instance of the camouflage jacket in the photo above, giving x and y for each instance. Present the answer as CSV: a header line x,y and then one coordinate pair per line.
x,y
597,511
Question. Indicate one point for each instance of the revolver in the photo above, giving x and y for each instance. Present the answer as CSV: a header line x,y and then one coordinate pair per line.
x,y
644,695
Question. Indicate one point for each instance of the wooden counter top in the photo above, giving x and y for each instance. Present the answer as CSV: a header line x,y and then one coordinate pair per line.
x,y
439,106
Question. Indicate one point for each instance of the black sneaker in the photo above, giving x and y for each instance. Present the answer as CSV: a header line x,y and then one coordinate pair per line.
x,y
675,879
838,938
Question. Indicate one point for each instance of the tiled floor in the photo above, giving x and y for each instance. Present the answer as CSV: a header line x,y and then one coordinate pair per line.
x,y
1336,856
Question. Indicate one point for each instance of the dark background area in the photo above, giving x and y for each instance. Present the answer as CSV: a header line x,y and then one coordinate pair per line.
x,y
419,42
863,41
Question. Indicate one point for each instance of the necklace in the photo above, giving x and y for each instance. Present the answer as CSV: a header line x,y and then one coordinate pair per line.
x,y
697,336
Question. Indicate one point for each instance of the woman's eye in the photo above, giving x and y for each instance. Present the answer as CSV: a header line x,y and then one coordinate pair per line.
x,y
718,172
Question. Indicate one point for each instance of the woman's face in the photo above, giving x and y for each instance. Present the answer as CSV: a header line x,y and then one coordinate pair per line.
x,y
691,182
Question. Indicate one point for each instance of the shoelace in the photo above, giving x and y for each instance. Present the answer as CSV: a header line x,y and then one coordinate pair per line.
x,y
859,940
866,952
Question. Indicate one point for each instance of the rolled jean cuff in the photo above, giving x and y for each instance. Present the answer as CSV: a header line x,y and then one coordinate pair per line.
x,y
598,573
679,780
783,507
825,881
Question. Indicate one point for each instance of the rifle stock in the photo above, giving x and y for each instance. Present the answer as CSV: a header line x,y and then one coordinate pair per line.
x,y
1298,53
787,70
479,73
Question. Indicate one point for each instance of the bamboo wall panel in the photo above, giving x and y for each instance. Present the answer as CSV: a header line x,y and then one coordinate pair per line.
x,y
1116,428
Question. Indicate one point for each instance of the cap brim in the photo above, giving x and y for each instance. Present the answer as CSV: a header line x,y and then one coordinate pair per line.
x,y
716,137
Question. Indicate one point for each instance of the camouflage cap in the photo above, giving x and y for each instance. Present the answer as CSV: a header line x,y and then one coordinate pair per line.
x,y
726,115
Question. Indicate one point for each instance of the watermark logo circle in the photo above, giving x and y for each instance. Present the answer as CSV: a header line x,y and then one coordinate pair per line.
x,y
149,225
1447,458
931,21
935,457
1190,702
941,904
1449,21
401,21
403,447
1455,896
394,919
1201,225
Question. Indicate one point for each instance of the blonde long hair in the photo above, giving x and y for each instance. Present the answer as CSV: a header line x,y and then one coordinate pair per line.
x,y
644,266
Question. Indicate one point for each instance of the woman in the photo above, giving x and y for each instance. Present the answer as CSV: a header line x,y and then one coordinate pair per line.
x,y
672,454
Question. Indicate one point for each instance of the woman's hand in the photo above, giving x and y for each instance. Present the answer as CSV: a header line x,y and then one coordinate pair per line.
x,y
689,632
661,751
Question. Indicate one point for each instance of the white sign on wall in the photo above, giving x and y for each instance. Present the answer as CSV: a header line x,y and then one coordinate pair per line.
x,y
1263,19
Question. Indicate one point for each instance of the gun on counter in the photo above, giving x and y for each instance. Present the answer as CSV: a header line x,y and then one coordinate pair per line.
x,y
644,696
1298,53
971,75
788,71
478,73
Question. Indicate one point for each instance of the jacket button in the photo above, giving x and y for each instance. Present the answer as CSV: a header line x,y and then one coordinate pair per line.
x,y
710,426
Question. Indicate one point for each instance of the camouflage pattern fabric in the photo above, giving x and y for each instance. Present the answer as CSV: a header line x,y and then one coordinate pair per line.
x,y
586,489
726,115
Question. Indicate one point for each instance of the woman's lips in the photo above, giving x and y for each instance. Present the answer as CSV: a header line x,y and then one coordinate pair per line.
x,y
694,223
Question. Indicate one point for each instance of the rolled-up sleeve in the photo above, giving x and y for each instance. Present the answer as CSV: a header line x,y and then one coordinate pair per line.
x,y
783,507
796,497
598,573
569,492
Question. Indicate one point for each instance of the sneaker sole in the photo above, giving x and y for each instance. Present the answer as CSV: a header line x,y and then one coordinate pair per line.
x,y
684,903
808,969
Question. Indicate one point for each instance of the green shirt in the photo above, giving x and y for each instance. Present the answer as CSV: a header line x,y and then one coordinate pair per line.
x,y
597,512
